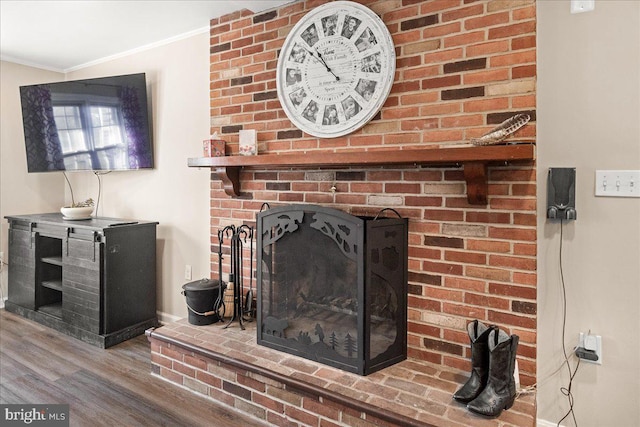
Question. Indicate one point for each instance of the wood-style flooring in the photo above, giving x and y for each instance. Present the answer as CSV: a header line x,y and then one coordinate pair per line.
x,y
112,387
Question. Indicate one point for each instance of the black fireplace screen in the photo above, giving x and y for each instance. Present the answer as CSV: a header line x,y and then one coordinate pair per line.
x,y
332,287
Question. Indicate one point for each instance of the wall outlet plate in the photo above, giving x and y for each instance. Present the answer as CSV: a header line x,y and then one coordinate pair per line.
x,y
579,6
593,343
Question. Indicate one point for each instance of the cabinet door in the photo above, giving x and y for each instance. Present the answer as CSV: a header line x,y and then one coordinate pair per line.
x,y
81,283
130,277
22,268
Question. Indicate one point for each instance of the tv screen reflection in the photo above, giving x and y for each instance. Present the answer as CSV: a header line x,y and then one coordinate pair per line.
x,y
94,124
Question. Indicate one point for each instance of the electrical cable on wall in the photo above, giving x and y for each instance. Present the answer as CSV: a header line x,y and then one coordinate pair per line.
x,y
73,201
97,174
566,390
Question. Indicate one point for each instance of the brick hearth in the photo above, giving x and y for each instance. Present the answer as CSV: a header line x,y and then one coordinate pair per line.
x,y
284,390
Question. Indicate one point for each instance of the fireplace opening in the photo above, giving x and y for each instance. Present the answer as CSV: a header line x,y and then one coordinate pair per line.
x,y
332,287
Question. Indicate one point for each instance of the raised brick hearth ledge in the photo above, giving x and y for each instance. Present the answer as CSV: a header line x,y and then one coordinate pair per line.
x,y
284,390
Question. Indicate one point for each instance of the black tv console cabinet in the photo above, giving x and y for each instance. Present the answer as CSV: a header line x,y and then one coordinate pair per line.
x,y
93,279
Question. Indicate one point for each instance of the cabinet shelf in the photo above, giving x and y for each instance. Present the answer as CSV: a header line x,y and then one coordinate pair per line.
x,y
53,260
474,160
52,284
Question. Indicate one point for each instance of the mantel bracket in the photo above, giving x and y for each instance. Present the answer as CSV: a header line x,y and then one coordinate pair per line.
x,y
230,177
475,174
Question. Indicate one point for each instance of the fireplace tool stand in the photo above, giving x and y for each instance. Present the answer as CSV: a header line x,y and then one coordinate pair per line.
x,y
238,236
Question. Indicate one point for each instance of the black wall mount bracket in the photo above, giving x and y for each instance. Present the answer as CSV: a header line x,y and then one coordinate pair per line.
x,y
561,193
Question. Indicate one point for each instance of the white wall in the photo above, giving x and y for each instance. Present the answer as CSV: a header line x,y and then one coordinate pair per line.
x,y
20,192
589,118
172,194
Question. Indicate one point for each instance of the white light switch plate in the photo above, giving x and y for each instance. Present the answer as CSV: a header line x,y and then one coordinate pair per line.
x,y
618,183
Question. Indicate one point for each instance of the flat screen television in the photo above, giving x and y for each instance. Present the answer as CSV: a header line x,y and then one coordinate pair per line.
x,y
87,125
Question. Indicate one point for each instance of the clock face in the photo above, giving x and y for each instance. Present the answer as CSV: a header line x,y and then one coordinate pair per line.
x,y
335,69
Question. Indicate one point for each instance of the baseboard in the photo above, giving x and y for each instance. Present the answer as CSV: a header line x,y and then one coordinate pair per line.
x,y
545,423
162,317
166,317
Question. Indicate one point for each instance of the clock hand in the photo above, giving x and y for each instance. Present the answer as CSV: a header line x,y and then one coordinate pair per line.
x,y
321,60
325,64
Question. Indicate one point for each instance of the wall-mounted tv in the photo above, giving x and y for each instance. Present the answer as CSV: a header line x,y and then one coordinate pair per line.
x,y
91,125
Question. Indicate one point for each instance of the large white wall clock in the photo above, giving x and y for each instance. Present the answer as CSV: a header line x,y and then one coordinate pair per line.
x,y
335,69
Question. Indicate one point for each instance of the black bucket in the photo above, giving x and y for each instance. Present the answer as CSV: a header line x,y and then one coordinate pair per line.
x,y
202,297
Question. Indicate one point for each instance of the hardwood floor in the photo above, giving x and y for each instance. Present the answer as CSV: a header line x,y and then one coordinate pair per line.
x,y
112,387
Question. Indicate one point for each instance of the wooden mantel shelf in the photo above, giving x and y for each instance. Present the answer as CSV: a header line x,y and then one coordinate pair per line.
x,y
473,159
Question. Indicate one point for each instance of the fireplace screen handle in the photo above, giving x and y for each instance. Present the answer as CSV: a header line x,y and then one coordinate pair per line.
x,y
387,209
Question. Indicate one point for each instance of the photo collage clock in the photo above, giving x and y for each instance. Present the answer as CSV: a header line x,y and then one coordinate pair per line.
x,y
335,69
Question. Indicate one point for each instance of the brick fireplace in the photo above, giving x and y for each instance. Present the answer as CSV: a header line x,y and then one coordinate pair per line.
x,y
462,67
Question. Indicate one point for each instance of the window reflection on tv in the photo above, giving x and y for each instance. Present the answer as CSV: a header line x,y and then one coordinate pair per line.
x,y
93,124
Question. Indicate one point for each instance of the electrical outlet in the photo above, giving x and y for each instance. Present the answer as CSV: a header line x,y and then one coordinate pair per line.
x,y
579,6
187,272
590,348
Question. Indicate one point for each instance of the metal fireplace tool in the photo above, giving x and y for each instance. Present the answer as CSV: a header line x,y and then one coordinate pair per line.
x,y
238,236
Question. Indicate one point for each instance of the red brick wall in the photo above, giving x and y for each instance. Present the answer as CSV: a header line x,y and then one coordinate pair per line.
x,y
462,67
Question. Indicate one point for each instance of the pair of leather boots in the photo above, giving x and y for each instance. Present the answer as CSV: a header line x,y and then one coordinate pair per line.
x,y
491,387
